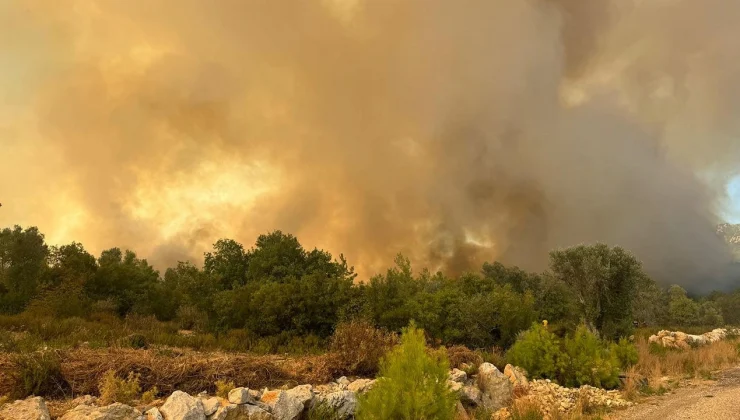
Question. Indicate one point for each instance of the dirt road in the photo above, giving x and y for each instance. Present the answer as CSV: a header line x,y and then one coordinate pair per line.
x,y
713,400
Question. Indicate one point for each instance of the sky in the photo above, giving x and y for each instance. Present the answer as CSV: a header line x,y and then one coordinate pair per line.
x,y
452,132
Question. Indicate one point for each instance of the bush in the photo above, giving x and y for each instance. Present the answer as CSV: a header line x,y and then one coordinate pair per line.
x,y
38,373
587,361
359,346
457,355
626,353
413,384
322,411
149,396
537,351
223,388
113,389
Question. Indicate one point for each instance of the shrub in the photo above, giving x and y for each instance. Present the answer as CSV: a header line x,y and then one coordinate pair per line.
x,y
359,346
38,373
457,355
526,410
113,389
536,351
625,352
149,396
413,384
587,361
135,341
223,388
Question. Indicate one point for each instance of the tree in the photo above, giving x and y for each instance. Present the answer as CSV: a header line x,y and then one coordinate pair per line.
x,y
681,310
412,384
23,255
124,279
228,262
603,281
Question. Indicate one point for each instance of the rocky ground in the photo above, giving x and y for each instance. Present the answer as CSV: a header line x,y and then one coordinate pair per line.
x,y
488,388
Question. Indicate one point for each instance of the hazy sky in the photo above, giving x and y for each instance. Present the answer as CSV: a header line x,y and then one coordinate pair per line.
x,y
453,132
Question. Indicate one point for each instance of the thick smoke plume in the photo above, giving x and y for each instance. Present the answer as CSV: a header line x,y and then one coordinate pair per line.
x,y
455,132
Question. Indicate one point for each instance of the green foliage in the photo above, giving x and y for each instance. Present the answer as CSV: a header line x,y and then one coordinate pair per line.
x,y
604,281
587,361
625,352
681,309
38,373
322,411
580,359
413,384
537,351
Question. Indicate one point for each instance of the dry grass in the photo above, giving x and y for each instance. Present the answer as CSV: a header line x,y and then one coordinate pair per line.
x,y
358,346
656,363
457,355
170,370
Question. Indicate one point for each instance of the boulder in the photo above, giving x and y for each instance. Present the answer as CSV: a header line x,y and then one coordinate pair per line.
x,y
181,406
240,396
344,403
457,375
282,405
361,386
460,412
303,393
496,388
153,414
241,412
116,411
517,377
343,382
470,395
33,408
210,405
454,386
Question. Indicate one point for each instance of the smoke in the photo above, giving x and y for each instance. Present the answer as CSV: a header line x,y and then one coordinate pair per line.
x,y
453,132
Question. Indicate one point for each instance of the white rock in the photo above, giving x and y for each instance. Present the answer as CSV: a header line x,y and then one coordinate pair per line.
x,y
496,389
240,396
33,408
344,403
361,386
210,405
343,382
153,414
116,411
516,376
303,393
470,395
282,405
181,406
458,375
241,412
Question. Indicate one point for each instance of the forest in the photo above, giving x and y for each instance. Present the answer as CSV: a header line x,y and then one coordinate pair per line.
x,y
277,292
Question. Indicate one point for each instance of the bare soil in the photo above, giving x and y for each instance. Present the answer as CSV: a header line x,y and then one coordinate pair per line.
x,y
714,400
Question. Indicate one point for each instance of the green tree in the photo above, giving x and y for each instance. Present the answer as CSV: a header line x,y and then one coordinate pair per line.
x,y
412,384
23,263
228,262
682,310
537,350
123,278
603,281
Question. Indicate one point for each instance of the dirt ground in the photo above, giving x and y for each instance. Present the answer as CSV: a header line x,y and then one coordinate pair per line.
x,y
714,400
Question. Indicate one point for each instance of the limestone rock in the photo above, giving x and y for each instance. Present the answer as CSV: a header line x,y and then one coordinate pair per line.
x,y
458,375
343,382
496,389
33,408
282,405
240,396
517,377
153,414
210,405
303,393
361,386
344,403
116,411
241,412
470,395
181,406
